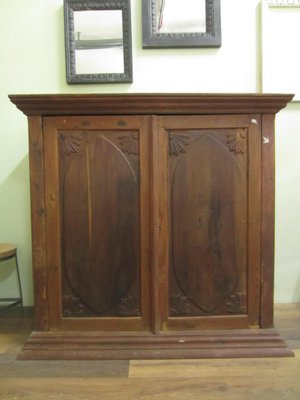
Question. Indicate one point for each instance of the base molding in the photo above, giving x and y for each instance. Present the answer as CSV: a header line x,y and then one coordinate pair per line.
x,y
101,346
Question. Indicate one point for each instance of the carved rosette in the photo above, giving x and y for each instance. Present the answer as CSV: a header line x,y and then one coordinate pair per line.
x,y
177,143
237,142
70,144
179,305
72,305
129,144
128,307
236,303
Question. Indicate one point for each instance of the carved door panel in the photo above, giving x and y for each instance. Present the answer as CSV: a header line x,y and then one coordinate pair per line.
x,y
211,195
97,172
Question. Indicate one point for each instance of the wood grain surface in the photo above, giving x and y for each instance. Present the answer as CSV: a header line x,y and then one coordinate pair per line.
x,y
234,379
153,222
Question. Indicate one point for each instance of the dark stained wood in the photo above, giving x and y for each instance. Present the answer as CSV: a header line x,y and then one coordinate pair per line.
x,y
37,192
100,203
254,220
152,231
160,237
97,271
209,344
145,218
114,104
267,225
209,379
213,268
208,195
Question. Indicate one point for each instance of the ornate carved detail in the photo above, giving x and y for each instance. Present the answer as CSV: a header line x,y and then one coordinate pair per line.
x,y
71,144
129,144
128,306
179,305
236,303
177,143
237,141
209,23
95,5
72,305
102,5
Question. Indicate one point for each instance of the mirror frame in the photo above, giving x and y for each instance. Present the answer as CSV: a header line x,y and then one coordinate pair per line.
x,y
83,5
153,39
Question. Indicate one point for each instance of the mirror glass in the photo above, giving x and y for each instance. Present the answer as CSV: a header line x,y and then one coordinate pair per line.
x,y
178,17
98,41
179,24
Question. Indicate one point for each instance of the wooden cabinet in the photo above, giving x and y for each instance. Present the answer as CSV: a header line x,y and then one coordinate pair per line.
x,y
153,225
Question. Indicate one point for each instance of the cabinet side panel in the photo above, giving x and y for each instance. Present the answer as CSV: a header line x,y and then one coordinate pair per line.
x,y
37,190
268,205
254,220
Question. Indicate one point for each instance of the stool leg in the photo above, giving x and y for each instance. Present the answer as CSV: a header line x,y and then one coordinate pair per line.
x,y
19,280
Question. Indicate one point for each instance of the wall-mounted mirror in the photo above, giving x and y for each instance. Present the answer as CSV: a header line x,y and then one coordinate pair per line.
x,y
98,41
177,23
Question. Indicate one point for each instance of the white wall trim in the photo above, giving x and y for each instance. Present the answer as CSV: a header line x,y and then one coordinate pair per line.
x,y
283,3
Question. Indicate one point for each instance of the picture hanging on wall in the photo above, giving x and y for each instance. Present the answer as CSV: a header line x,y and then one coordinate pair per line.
x,y
98,41
174,23
280,47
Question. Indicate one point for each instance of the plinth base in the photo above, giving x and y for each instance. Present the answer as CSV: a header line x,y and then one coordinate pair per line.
x,y
101,346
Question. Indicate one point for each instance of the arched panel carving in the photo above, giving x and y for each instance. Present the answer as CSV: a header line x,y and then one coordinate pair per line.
x,y
208,203
100,224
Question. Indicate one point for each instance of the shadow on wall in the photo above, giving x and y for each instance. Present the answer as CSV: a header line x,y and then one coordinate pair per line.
x,y
15,228
296,295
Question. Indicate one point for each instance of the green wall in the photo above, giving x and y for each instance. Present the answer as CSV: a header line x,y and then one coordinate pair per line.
x,y
32,60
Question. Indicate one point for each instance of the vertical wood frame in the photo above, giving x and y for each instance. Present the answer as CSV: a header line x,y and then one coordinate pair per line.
x,y
160,232
268,224
53,225
254,218
38,226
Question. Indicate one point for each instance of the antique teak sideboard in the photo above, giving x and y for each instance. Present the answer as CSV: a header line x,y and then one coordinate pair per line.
x,y
153,225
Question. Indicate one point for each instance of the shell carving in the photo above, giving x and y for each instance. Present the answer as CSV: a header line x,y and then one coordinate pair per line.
x,y
72,305
177,143
128,306
180,305
129,144
236,303
71,144
237,141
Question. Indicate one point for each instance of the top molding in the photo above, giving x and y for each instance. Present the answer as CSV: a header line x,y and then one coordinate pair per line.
x,y
146,104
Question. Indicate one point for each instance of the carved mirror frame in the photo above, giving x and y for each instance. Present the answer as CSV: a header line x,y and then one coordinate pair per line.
x,y
71,6
211,37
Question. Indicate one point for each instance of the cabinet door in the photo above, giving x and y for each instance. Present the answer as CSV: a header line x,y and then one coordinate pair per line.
x,y
97,222
207,222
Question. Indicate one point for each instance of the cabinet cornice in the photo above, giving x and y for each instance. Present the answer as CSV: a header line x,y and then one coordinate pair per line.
x,y
147,104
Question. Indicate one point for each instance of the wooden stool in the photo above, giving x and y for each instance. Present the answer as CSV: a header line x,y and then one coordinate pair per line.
x,y
8,251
